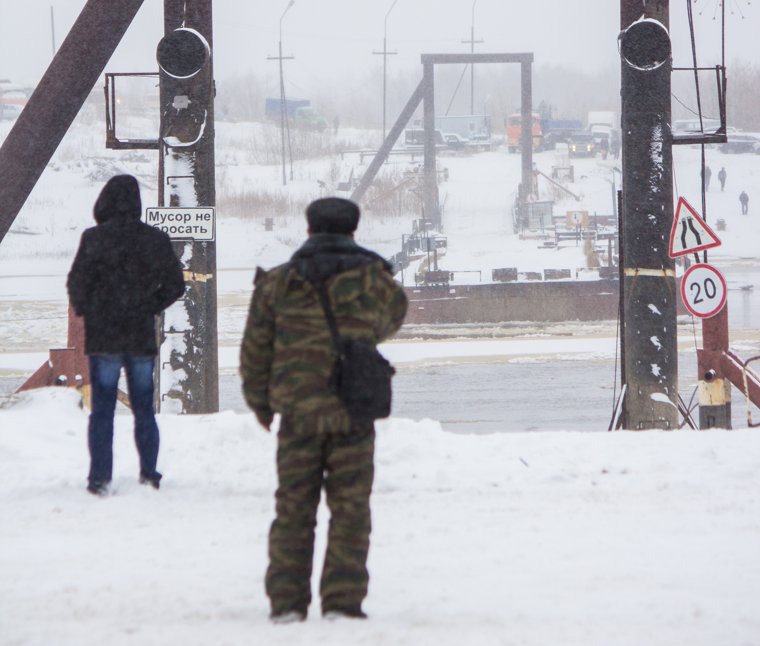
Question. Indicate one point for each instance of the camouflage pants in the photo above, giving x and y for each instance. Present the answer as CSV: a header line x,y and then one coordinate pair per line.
x,y
342,463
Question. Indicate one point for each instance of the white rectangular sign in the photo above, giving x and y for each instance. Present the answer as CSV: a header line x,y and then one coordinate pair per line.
x,y
183,222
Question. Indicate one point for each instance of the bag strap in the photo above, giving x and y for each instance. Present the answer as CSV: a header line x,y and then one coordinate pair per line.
x,y
324,300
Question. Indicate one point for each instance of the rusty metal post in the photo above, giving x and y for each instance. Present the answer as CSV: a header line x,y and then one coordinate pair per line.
x,y
57,100
189,354
649,282
714,387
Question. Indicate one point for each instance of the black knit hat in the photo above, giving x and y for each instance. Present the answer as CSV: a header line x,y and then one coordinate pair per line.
x,y
332,215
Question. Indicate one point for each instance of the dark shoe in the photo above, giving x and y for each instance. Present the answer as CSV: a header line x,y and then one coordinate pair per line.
x,y
343,613
154,482
287,616
101,489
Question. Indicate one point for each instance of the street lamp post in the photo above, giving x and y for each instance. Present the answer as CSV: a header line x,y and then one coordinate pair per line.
x,y
283,117
385,53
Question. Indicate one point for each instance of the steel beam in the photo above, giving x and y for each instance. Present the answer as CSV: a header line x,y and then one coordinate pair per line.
x,y
57,99
393,134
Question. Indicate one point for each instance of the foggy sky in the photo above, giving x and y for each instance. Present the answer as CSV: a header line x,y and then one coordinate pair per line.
x,y
334,38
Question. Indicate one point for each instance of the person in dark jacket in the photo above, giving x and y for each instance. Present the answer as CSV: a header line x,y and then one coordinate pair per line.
x,y
124,274
744,200
707,174
286,362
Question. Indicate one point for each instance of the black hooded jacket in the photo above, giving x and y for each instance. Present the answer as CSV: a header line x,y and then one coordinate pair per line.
x,y
124,273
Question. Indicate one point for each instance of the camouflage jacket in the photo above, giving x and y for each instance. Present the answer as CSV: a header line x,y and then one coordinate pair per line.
x,y
287,353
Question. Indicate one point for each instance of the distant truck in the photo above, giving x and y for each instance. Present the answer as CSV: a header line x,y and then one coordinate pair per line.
x,y
298,111
547,133
514,132
601,123
556,131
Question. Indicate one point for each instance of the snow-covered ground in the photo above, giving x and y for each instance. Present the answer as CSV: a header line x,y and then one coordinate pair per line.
x,y
571,538
520,538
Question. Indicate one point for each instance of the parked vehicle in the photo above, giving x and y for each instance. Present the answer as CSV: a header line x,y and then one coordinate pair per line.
x,y
558,131
454,141
13,98
743,142
547,133
581,144
473,128
299,112
514,132
691,126
414,138
601,123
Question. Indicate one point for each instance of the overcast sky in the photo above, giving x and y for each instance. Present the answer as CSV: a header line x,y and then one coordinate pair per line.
x,y
330,38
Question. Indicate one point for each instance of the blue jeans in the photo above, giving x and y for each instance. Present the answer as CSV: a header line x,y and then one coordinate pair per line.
x,y
104,377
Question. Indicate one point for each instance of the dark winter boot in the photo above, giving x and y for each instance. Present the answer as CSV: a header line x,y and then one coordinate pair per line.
x,y
153,481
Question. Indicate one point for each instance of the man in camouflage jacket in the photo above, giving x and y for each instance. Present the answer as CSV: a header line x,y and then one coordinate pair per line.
x,y
286,360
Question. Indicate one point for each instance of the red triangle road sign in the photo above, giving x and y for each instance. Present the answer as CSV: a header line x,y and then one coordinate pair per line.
x,y
690,232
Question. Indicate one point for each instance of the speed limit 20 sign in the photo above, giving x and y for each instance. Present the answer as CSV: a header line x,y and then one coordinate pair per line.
x,y
703,290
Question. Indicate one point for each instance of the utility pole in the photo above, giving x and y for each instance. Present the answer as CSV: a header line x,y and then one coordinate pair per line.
x,y
650,365
189,370
283,112
385,53
472,42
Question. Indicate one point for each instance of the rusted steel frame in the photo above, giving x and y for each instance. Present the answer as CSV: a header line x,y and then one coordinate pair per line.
x,y
743,378
57,100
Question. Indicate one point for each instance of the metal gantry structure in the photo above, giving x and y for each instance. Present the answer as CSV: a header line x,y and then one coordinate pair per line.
x,y
425,93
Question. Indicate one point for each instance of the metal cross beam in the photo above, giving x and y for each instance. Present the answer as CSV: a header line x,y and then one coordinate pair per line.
x,y
56,101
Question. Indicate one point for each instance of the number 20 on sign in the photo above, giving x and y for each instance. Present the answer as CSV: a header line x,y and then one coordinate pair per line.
x,y
703,290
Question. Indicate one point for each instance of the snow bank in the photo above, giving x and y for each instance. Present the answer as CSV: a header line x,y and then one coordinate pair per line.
x,y
571,538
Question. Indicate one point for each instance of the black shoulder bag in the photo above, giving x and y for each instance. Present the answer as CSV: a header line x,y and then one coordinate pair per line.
x,y
361,376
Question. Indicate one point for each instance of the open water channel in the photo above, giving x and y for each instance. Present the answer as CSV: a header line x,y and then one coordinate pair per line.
x,y
529,392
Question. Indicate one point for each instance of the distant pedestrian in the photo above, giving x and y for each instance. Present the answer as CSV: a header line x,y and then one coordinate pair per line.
x,y
744,199
722,177
124,274
707,174
615,144
604,146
